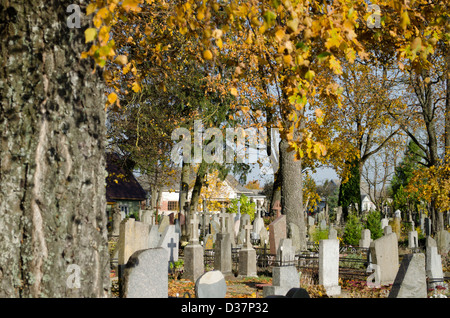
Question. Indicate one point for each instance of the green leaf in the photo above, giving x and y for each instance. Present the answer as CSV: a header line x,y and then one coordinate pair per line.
x,y
322,56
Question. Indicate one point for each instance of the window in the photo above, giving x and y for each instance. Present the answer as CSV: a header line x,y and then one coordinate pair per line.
x,y
172,205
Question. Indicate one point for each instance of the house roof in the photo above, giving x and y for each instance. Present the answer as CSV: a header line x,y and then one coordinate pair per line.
x,y
121,183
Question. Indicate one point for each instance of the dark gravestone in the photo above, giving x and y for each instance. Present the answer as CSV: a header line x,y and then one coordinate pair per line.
x,y
297,293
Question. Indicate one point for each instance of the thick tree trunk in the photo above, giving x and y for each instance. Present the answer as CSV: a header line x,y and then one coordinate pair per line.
x,y
184,191
53,235
292,191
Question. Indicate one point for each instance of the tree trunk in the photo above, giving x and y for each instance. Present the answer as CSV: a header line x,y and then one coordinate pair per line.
x,y
292,191
53,234
184,191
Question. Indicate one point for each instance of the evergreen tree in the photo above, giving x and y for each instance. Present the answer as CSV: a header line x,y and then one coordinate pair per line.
x,y
349,192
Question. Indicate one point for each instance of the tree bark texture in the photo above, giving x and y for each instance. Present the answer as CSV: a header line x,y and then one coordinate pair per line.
x,y
53,234
292,190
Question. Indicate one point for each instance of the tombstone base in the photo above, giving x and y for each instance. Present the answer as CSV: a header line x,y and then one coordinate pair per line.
x,y
333,290
193,262
247,263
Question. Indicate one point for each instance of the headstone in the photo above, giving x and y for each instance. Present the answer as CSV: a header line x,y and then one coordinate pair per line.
x,y
410,281
153,236
147,217
413,239
286,253
146,275
443,241
387,230
194,265
208,242
398,214
329,266
310,221
384,253
384,223
133,237
323,224
258,224
263,236
247,256
164,223
277,231
211,285
222,254
116,219
332,233
284,278
365,239
277,208
396,226
339,216
433,267
169,241
427,226
230,228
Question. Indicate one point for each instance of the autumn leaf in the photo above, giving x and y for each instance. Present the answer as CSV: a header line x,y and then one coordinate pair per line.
x,y
122,60
207,55
90,34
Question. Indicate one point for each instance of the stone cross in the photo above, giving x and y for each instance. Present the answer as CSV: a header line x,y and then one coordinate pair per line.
x,y
277,208
247,229
223,217
194,223
171,245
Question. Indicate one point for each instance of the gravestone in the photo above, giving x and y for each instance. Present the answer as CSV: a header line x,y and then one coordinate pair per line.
x,y
311,220
365,239
387,230
258,224
229,228
284,278
332,233
193,254
146,275
286,253
277,208
410,281
147,217
247,256
263,236
211,285
433,267
384,223
222,254
116,219
396,225
169,241
153,236
134,236
329,266
384,253
323,224
413,239
277,231
297,293
208,242
164,223
443,241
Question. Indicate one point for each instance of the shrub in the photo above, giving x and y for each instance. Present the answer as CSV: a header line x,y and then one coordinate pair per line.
x,y
374,224
352,232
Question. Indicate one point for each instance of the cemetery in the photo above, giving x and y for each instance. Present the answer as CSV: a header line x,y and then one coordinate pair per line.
x,y
231,256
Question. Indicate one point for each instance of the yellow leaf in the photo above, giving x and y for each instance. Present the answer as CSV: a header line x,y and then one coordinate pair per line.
x,y
135,87
279,35
233,91
91,8
309,75
207,55
131,5
122,60
112,98
90,34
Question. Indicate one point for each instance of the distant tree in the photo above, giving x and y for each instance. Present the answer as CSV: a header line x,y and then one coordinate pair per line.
x,y
349,190
247,207
374,224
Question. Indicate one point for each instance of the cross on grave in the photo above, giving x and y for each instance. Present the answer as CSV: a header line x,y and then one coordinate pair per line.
x,y
171,245
194,223
277,208
222,217
247,229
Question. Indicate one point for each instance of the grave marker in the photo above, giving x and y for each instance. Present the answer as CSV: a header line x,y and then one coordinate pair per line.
x,y
410,281
329,266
